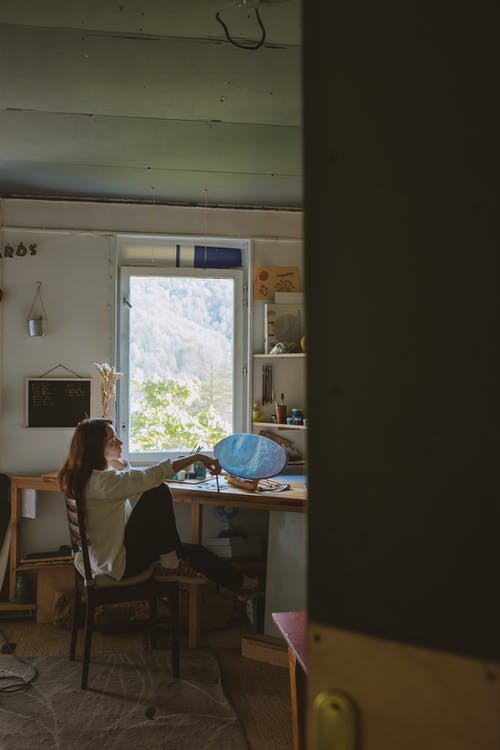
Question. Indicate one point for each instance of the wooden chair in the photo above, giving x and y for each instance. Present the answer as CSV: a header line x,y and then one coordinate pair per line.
x,y
90,592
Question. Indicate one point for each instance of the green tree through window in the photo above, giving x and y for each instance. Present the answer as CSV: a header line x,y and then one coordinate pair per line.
x,y
182,361
170,415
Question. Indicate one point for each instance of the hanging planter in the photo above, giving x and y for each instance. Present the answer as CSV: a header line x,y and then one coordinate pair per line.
x,y
37,323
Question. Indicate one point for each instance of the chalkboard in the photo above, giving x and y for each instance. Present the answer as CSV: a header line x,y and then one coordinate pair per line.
x,y
58,402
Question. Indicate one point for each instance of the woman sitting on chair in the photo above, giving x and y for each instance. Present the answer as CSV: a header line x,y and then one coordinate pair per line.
x,y
96,475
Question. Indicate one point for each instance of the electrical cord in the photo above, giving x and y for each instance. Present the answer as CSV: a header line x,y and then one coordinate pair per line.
x,y
22,683
237,44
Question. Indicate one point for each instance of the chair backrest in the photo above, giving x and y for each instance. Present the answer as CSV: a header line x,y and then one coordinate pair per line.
x,y
76,523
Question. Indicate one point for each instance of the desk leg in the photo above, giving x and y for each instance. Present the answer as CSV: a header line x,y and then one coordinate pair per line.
x,y
297,694
194,590
14,539
194,615
292,667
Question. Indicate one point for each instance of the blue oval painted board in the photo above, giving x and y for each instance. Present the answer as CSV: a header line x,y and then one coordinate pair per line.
x,y
250,456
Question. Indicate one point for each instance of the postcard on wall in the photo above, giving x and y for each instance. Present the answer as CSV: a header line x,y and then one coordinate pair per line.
x,y
270,279
283,324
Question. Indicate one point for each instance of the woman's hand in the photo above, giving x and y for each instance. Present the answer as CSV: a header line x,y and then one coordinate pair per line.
x,y
209,463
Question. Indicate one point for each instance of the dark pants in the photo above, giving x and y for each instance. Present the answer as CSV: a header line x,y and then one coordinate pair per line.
x,y
151,531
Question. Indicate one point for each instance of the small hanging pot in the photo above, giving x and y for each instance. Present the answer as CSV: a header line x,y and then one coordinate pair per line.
x,y
37,324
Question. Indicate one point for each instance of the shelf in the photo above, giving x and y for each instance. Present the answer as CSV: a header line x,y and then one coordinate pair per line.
x,y
298,355
280,426
37,560
11,607
37,564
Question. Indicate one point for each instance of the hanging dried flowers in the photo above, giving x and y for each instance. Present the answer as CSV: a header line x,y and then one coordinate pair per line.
x,y
109,376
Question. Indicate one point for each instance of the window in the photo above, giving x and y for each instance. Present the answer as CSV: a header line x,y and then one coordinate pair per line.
x,y
184,354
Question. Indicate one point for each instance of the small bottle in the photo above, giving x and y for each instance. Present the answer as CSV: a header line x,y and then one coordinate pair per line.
x,y
256,415
200,470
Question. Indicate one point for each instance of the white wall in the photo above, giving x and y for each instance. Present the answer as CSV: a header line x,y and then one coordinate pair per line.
x,y
75,261
286,566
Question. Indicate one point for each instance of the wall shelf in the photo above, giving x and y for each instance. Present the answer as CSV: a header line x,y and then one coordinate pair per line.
x,y
297,355
12,607
280,426
36,565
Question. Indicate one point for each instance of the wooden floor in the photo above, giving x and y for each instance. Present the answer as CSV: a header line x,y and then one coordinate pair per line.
x,y
258,692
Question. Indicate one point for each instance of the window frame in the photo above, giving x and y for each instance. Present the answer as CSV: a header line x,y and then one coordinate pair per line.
x,y
241,351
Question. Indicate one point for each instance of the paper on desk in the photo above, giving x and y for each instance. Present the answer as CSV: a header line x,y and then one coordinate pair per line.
x,y
28,503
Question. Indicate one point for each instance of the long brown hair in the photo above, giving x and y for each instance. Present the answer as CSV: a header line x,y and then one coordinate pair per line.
x,y
86,453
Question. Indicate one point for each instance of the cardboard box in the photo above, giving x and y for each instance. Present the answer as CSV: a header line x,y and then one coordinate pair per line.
x,y
265,648
49,581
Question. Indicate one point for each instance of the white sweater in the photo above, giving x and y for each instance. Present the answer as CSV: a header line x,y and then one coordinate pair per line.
x,y
105,496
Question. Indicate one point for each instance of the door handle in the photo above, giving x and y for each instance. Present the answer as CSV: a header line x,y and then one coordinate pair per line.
x,y
334,721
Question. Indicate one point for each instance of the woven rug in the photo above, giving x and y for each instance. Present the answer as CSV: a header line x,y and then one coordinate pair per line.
x,y
132,702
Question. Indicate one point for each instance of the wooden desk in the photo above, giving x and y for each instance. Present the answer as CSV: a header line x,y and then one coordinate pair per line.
x,y
293,627
293,500
198,495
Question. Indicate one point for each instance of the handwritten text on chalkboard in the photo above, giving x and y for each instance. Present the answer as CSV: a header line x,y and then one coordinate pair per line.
x,y
57,402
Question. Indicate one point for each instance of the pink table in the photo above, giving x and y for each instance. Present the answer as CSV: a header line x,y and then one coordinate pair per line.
x,y
293,627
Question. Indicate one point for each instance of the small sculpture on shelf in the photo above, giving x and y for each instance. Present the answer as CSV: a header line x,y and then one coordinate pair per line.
x,y
285,347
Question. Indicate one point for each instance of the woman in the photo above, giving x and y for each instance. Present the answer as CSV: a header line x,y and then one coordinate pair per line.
x,y
96,475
